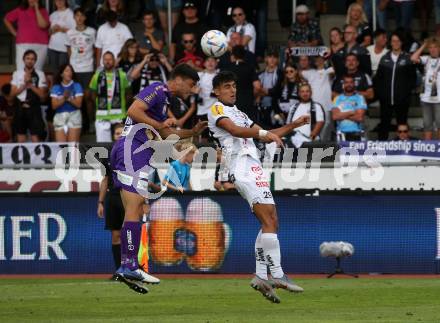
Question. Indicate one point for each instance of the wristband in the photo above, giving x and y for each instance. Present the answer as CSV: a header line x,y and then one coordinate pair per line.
x,y
100,202
262,133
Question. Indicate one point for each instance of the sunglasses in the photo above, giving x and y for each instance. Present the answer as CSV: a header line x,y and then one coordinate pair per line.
x,y
188,41
237,15
402,131
154,59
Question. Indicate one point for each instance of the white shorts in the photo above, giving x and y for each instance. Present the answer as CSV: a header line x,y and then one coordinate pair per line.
x,y
67,119
251,181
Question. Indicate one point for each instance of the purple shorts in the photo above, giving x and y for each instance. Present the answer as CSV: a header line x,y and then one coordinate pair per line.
x,y
134,177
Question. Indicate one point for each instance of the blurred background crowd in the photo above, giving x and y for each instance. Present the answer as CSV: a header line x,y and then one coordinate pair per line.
x,y
79,64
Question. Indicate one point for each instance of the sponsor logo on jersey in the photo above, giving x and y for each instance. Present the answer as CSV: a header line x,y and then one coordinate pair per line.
x,y
217,110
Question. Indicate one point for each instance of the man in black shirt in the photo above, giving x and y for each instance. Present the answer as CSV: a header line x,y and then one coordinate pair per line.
x,y
247,81
351,47
225,59
190,25
362,82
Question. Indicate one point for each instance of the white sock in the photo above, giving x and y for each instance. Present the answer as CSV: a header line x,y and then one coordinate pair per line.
x,y
271,247
260,259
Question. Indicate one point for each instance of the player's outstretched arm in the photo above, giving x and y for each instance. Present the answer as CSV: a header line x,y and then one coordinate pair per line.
x,y
288,128
254,132
185,133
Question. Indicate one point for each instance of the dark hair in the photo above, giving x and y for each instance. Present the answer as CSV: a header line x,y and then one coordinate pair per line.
x,y
239,52
149,13
6,89
399,33
223,77
379,32
79,9
111,16
59,77
352,54
123,54
185,72
109,53
106,6
66,4
116,126
272,53
348,76
25,4
30,51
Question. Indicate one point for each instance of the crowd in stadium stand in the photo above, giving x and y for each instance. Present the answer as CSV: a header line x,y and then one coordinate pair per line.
x,y
96,64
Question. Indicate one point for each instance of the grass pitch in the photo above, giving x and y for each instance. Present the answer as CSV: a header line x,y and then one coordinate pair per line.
x,y
219,300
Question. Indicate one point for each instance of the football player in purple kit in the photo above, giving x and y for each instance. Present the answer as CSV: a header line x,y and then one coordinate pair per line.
x,y
130,159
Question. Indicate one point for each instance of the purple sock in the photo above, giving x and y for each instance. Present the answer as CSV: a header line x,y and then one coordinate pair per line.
x,y
130,240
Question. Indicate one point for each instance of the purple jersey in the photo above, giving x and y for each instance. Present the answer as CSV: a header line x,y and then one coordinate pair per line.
x,y
157,97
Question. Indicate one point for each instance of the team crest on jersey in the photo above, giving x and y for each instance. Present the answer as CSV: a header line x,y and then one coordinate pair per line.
x,y
217,110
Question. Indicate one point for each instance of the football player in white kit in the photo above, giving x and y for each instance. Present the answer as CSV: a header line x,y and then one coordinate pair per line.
x,y
236,133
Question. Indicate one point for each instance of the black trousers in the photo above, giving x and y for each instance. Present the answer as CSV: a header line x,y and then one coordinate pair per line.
x,y
386,115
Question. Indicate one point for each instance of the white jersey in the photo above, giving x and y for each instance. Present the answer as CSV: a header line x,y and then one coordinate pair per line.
x,y
241,156
232,146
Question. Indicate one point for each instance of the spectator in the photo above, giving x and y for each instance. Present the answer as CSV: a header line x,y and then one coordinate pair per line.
x,y
183,111
304,31
151,37
403,12
356,17
31,22
8,105
320,80
306,106
247,81
351,47
244,28
394,81
429,98
268,112
67,96
378,50
30,88
363,83
303,63
110,89
129,56
61,21
116,6
206,96
234,40
336,40
286,91
222,179
162,8
178,177
191,54
437,17
403,133
348,111
111,37
381,17
80,48
154,67
190,24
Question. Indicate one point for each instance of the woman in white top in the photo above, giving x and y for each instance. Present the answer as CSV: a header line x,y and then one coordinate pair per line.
x,y
61,21
429,98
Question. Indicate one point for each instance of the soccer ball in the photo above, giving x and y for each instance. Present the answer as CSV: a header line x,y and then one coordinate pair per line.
x,y
214,43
